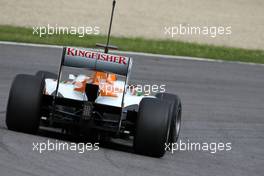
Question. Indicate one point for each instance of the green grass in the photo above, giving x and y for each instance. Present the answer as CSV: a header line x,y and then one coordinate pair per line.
x,y
170,47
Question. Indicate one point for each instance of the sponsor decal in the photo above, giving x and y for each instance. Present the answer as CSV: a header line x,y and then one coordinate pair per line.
x,y
96,55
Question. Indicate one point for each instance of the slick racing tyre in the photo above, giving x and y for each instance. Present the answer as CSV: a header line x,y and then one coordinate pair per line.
x,y
176,115
46,74
24,103
152,127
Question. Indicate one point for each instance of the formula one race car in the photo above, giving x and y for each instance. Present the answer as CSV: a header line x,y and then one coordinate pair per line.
x,y
101,104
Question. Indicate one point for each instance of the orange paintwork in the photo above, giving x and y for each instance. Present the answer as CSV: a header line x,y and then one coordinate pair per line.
x,y
96,79
80,86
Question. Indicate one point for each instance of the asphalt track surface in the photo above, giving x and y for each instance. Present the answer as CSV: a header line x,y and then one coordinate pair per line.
x,y
222,102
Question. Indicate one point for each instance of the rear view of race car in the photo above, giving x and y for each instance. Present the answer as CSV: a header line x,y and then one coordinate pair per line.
x,y
99,105
44,99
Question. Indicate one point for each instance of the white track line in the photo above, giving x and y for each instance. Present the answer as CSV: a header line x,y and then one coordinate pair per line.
x,y
29,44
137,53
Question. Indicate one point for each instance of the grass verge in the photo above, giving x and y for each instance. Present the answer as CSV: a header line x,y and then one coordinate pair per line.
x,y
170,47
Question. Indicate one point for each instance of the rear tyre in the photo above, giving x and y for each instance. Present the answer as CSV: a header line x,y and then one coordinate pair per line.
x,y
152,127
46,74
176,115
24,103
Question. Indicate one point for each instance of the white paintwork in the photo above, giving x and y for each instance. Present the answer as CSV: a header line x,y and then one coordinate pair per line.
x,y
66,89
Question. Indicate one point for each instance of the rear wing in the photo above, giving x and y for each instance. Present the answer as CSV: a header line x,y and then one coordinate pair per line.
x,y
94,60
